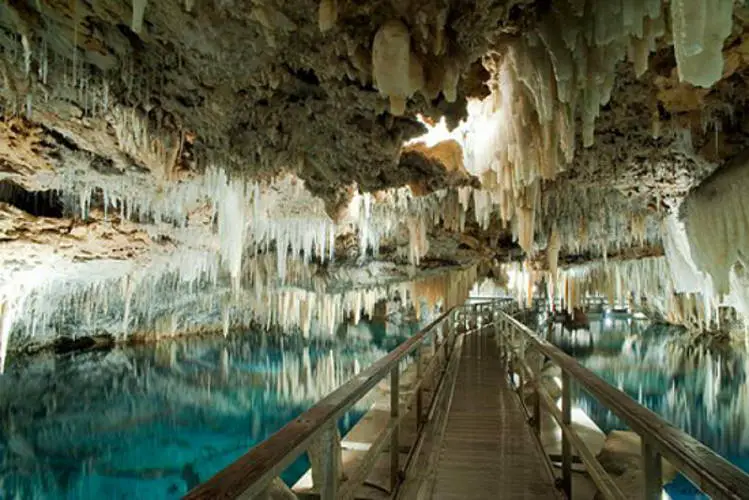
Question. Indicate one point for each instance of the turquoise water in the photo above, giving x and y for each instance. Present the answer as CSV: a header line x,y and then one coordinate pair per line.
x,y
153,421
705,392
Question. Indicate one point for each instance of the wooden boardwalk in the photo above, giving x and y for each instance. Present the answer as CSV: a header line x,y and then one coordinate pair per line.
x,y
463,430
488,450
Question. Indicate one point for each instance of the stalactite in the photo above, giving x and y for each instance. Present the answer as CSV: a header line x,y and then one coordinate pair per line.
x,y
647,282
391,64
699,29
418,242
139,8
710,246
186,294
542,81
552,254
328,14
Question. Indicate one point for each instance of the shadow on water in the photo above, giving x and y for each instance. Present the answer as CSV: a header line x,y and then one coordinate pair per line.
x,y
154,421
702,391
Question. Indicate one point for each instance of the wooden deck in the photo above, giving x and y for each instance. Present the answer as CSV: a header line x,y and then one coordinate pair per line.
x,y
488,450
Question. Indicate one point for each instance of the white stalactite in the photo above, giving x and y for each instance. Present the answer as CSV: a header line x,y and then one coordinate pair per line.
x,y
139,9
391,64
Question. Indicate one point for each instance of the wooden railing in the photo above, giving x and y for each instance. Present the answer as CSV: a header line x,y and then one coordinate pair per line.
x,y
315,430
253,474
709,472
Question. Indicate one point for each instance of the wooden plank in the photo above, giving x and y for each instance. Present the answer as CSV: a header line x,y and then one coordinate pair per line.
x,y
395,436
709,471
488,450
420,465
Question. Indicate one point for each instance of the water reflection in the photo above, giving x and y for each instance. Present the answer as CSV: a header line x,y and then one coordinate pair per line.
x,y
153,421
703,391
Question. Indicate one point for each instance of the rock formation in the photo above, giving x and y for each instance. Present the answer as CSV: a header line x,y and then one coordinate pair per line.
x,y
235,148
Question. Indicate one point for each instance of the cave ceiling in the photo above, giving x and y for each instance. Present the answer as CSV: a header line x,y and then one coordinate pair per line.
x,y
107,98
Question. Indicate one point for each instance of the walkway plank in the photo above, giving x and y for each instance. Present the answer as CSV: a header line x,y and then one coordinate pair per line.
x,y
488,450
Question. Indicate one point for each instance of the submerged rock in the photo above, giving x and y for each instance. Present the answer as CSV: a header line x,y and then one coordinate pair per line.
x,y
622,458
63,345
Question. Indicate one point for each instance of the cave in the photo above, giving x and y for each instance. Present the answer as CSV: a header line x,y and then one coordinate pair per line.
x,y
193,190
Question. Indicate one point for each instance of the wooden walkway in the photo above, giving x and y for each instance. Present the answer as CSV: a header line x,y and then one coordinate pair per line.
x,y
463,429
488,450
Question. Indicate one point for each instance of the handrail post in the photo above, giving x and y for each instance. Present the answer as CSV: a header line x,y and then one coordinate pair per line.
x,y
651,466
566,447
325,460
521,364
537,406
497,320
521,378
537,393
510,356
446,328
503,332
395,436
420,389
435,353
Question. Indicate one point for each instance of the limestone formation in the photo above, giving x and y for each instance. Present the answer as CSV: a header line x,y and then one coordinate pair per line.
x,y
215,145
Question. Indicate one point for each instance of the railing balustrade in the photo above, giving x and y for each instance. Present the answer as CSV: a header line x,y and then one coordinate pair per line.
x,y
252,474
316,432
707,470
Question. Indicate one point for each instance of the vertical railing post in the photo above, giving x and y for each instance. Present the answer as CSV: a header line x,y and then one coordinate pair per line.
x,y
420,389
521,367
505,326
496,318
651,466
325,459
433,373
537,403
566,446
395,437
445,342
